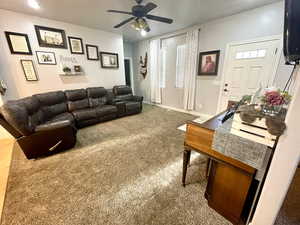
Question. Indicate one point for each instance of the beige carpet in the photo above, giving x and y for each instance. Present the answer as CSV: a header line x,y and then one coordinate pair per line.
x,y
123,172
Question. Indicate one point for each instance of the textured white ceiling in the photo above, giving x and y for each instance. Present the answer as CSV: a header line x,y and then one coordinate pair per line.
x,y
92,13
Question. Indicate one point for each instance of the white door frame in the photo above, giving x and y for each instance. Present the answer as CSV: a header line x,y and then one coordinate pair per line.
x,y
131,72
226,61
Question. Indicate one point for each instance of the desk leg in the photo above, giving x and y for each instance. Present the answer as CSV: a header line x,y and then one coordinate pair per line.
x,y
186,160
208,167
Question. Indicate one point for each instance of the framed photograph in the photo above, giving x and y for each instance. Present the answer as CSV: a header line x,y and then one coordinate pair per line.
x,y
46,58
51,37
209,63
92,52
76,45
29,70
18,43
109,60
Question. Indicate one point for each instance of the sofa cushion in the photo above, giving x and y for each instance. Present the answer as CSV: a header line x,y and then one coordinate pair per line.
x,y
123,93
35,114
97,96
84,114
77,99
16,115
52,103
106,110
23,114
122,90
63,117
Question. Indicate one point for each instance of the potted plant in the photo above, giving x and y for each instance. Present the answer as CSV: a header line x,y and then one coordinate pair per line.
x,y
67,70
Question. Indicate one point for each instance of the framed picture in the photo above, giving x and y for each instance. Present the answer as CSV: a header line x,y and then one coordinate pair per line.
x,y
46,58
51,37
92,52
209,63
18,43
29,70
109,60
76,45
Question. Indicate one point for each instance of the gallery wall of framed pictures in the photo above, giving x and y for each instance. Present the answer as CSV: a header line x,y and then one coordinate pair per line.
x,y
55,38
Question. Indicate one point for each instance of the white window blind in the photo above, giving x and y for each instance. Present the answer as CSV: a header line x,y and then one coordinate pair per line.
x,y
163,68
180,66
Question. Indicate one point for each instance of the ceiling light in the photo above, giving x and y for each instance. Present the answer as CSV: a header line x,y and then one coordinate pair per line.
x,y
34,4
143,33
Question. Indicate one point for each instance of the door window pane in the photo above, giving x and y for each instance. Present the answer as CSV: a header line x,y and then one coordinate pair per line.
x,y
260,53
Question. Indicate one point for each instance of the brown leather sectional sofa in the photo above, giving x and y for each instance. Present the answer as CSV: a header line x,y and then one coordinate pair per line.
x,y
47,123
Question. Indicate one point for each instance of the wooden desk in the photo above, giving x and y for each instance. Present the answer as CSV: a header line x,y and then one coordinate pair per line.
x,y
229,181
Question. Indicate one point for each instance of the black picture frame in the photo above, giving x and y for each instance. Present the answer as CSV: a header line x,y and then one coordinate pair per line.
x,y
214,64
43,43
88,53
33,68
10,44
45,63
116,66
71,46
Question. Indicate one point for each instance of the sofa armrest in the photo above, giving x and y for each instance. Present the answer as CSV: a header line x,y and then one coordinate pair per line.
x,y
53,126
121,106
137,98
116,101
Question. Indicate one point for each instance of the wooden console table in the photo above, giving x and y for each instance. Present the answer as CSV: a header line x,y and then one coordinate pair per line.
x,y
231,185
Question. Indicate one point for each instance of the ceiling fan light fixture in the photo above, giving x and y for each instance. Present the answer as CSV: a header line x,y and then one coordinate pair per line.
x,y
135,25
143,33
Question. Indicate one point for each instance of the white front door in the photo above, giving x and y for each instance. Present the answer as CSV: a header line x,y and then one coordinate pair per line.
x,y
248,66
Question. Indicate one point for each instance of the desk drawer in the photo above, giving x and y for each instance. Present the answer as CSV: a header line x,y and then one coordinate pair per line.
x,y
198,137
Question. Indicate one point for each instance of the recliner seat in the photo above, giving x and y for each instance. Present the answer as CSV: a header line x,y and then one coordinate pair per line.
x,y
133,104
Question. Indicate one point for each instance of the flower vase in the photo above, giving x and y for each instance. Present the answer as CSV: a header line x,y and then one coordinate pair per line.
x,y
271,110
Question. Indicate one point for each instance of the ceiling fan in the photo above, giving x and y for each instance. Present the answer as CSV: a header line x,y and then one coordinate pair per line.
x,y
139,14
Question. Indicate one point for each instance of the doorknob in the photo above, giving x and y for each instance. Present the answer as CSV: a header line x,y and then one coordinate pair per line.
x,y
226,90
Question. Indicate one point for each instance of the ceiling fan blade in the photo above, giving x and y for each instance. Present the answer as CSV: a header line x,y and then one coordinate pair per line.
x,y
159,19
149,7
124,22
117,11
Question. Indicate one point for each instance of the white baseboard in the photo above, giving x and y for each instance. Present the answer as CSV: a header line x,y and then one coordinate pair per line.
x,y
181,110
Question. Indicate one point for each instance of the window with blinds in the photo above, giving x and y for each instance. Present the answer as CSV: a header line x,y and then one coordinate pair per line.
x,y
180,66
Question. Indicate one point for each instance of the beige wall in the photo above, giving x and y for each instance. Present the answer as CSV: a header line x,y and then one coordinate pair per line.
x,y
11,71
141,85
215,35
284,164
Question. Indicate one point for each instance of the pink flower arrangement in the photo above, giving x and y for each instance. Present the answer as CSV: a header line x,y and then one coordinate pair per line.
x,y
276,98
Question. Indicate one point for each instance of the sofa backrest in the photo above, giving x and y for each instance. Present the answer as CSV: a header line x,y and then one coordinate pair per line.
x,y
23,114
97,96
77,99
123,92
52,103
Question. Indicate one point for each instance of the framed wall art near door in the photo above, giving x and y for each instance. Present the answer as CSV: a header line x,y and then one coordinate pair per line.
x,y
18,43
209,63
46,58
76,46
109,60
51,37
29,70
92,52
